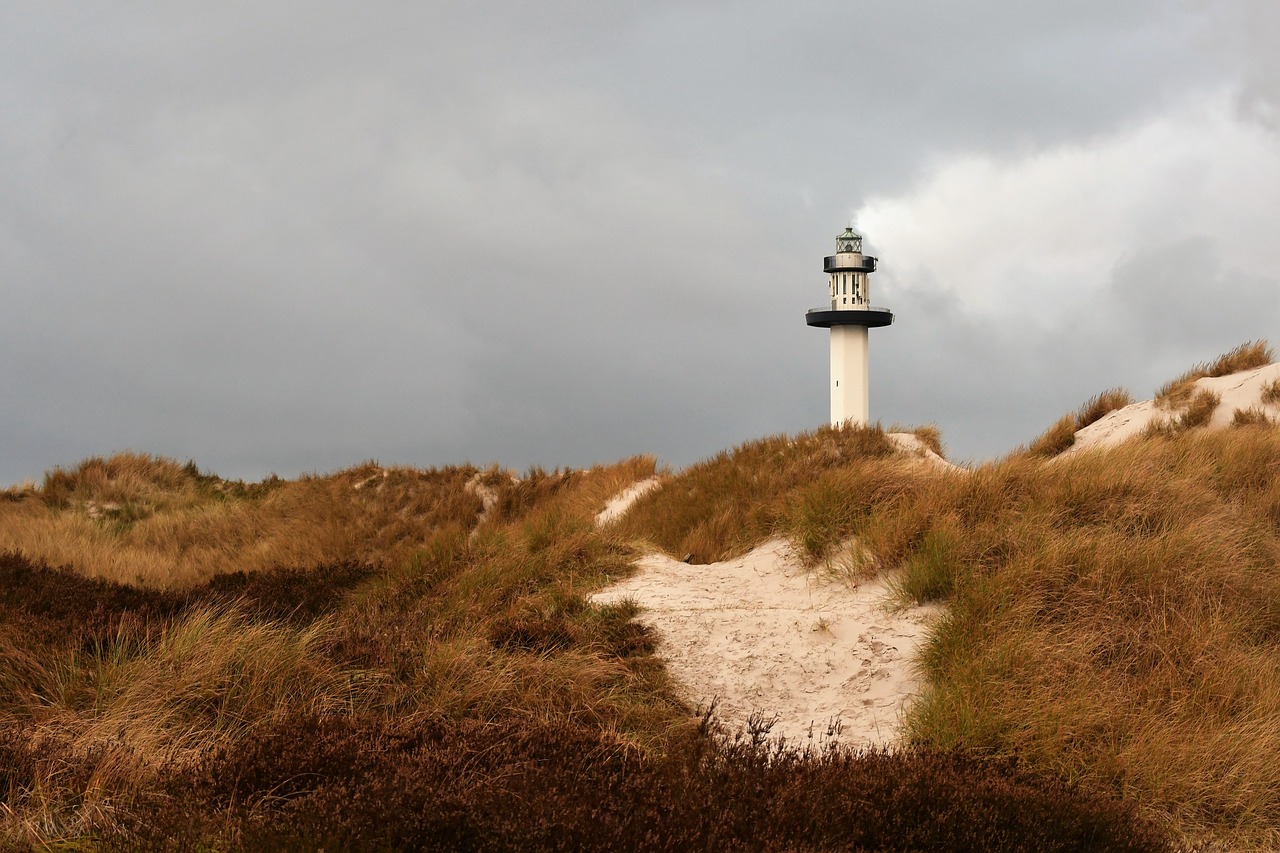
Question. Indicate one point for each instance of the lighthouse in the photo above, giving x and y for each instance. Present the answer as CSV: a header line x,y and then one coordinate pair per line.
x,y
848,319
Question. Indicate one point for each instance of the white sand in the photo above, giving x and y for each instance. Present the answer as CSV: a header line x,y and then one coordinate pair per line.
x,y
761,634
1237,391
910,445
619,505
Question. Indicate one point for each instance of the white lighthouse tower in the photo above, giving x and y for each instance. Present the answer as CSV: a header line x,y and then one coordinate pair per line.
x,y
848,319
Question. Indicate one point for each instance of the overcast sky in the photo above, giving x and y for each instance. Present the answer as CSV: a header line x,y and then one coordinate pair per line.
x,y
279,236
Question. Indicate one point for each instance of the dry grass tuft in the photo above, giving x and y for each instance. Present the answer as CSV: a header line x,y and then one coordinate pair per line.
x,y
1062,434
1198,412
1252,416
1247,356
1099,406
1056,439
724,506
929,434
1271,392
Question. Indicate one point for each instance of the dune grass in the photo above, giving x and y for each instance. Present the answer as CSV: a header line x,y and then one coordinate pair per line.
x,y
1247,356
1062,434
723,506
373,657
1111,619
371,593
1271,392
431,676
141,520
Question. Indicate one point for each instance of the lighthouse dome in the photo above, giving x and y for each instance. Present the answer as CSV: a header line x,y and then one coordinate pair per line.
x,y
848,241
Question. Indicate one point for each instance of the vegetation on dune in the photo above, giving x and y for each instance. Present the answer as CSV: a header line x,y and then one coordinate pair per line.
x,y
387,658
1111,618
145,521
462,695
1247,356
1062,434
1197,412
725,505
1271,392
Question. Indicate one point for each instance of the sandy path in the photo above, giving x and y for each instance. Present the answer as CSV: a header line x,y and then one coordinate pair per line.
x,y
761,634
619,505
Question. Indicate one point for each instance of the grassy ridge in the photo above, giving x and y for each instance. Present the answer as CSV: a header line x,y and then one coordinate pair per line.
x,y
399,658
137,519
1113,618
1177,392
436,684
725,505
482,622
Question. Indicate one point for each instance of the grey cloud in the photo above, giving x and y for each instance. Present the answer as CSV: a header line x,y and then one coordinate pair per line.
x,y
1183,295
290,236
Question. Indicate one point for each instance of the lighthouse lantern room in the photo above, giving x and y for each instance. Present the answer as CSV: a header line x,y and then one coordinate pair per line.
x,y
848,319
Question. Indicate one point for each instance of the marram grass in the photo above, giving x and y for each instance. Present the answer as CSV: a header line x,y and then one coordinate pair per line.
x,y
393,658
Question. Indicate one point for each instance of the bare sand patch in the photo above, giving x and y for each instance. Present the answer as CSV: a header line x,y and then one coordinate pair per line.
x,y
763,635
618,506
909,444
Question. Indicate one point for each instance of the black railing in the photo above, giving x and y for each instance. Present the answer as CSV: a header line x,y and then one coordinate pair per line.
x,y
830,264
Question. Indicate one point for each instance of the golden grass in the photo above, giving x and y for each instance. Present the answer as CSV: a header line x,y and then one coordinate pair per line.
x,y
723,506
1062,434
929,434
1247,356
1197,412
148,521
1252,416
1114,619
485,627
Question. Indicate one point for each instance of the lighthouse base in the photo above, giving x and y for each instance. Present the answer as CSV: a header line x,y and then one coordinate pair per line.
x,y
850,401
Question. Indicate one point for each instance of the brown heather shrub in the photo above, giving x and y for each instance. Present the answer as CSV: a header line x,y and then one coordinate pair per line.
x,y
61,607
525,784
1247,356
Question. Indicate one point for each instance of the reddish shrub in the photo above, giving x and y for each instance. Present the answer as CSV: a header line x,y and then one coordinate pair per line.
x,y
360,784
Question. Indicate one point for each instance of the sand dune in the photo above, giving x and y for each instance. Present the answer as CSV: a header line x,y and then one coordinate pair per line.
x,y
761,634
1237,391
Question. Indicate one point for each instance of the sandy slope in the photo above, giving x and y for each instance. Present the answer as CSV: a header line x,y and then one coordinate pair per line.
x,y
1237,391
622,502
761,634
764,635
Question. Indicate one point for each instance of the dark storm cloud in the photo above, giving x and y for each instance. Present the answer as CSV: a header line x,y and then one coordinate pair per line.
x,y
291,236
